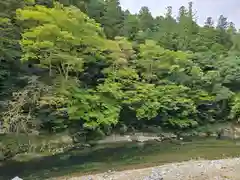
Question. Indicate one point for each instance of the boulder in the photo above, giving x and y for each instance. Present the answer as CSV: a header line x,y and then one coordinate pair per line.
x,y
17,178
168,136
129,138
114,139
202,134
229,133
147,138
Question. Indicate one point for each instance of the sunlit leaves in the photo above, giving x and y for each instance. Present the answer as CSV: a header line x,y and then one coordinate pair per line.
x,y
60,37
93,109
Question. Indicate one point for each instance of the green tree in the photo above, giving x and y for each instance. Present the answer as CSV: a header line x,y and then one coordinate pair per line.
x,y
209,22
145,18
60,43
101,68
131,26
113,18
95,10
222,23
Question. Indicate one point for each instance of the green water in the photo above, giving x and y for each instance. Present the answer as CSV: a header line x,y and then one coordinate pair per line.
x,y
117,157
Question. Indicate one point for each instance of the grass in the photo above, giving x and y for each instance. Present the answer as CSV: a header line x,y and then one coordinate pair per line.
x,y
115,157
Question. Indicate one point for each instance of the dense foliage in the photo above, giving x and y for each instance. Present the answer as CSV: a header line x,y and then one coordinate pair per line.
x,y
90,66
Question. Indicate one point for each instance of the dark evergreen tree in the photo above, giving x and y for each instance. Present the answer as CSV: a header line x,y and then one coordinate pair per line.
x,y
113,18
209,22
145,19
222,23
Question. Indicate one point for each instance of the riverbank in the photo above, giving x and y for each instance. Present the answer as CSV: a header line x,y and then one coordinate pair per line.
x,y
225,169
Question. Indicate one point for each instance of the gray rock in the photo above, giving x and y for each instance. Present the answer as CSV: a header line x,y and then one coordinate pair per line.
x,y
146,138
17,178
231,132
202,134
169,135
156,175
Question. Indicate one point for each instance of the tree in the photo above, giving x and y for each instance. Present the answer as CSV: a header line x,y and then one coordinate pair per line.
x,y
190,10
209,22
145,19
222,23
9,31
92,109
113,18
131,26
95,10
100,68
231,28
60,43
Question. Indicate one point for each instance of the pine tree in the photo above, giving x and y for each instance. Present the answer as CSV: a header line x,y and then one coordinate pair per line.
x,y
131,25
145,19
95,10
113,18
222,23
209,22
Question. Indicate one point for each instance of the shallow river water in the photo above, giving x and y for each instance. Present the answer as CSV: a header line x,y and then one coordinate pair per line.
x,y
119,156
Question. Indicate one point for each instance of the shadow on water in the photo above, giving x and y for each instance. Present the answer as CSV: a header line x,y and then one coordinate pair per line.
x,y
116,157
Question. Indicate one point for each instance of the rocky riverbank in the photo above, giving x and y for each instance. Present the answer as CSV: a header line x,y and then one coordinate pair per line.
x,y
218,131
225,169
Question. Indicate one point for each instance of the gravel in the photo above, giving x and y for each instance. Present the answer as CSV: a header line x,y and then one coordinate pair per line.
x,y
155,175
225,169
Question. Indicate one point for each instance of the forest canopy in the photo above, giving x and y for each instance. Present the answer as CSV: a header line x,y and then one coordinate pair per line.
x,y
88,65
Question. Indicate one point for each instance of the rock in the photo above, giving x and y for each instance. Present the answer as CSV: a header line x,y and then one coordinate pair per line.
x,y
86,145
146,138
156,175
17,178
128,138
185,134
108,174
230,132
202,134
169,136
237,132
159,139
225,133
213,135
136,137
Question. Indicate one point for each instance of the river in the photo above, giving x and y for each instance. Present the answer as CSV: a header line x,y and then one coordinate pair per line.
x,y
119,156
